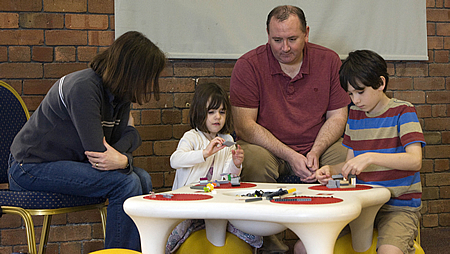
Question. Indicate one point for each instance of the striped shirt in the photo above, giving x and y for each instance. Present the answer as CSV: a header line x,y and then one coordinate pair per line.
x,y
389,131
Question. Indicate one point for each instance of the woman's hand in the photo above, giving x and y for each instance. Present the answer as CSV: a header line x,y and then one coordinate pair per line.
x,y
111,159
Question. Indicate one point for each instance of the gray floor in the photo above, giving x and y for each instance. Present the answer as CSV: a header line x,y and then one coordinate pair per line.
x,y
435,241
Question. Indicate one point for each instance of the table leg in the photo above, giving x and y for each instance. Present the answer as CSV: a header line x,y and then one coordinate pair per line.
x,y
362,228
318,238
154,233
216,231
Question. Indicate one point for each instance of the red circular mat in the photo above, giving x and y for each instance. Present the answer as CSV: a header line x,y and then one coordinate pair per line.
x,y
325,188
179,197
307,201
228,186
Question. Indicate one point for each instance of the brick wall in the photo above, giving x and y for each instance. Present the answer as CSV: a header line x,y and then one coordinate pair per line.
x,y
42,40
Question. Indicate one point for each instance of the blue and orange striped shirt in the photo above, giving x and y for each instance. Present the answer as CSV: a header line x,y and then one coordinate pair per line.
x,y
389,131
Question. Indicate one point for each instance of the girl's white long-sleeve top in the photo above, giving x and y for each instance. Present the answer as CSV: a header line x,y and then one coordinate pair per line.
x,y
189,162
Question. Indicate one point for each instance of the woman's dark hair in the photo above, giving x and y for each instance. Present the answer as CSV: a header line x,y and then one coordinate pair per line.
x,y
216,96
282,13
363,67
130,67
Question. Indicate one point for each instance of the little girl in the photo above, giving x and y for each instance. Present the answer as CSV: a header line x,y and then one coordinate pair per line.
x,y
201,153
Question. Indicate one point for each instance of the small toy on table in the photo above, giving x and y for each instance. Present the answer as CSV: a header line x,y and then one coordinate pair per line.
x,y
339,181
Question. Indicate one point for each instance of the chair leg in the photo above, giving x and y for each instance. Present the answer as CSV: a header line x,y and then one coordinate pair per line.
x,y
103,212
29,226
44,233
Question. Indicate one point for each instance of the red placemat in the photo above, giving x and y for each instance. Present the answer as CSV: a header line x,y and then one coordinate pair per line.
x,y
313,200
180,197
228,186
325,188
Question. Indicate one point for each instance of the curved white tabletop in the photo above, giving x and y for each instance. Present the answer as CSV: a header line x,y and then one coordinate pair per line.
x,y
318,225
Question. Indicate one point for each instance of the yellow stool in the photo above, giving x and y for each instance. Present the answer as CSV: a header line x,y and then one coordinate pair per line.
x,y
199,244
115,251
344,245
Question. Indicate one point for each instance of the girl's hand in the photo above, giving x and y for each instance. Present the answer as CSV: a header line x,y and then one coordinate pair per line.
x,y
238,156
213,147
111,159
323,174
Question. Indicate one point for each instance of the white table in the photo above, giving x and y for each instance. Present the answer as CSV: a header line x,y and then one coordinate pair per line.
x,y
317,225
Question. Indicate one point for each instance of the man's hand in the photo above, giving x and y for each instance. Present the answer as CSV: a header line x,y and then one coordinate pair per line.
x,y
300,168
111,159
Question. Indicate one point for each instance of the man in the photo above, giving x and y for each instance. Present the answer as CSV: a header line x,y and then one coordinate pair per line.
x,y
289,108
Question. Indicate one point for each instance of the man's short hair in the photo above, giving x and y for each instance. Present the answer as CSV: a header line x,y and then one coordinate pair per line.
x,y
282,13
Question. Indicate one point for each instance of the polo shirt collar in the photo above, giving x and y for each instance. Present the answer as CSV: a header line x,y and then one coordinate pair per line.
x,y
275,67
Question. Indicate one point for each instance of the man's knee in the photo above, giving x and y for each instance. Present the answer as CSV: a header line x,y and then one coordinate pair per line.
x,y
259,164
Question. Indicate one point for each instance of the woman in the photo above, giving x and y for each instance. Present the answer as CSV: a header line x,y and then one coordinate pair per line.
x,y
80,138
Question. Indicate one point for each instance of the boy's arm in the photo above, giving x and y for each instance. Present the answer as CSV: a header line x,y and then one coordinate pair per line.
x,y
410,160
325,173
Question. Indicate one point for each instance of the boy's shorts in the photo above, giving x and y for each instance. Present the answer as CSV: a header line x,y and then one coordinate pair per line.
x,y
398,228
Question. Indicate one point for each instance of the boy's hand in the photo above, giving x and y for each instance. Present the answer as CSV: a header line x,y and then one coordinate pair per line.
x,y
238,156
323,174
356,165
213,147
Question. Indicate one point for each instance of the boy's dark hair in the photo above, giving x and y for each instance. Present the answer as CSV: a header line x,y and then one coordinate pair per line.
x,y
364,67
130,67
282,13
216,96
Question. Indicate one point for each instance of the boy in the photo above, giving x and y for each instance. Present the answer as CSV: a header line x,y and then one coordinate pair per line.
x,y
384,141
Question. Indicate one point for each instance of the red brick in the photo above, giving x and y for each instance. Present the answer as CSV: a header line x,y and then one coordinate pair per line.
x,y
412,69
65,6
65,54
112,24
439,111
400,83
168,179
441,56
443,29
42,54
86,54
165,147
183,100
444,192
155,132
168,70
10,221
66,37
438,15
223,69
430,193
446,43
37,86
445,137
411,96
429,83
432,138
84,217
438,97
437,151
189,69
3,54
158,164
70,233
441,165
180,129
21,37
71,247
20,70
101,38
21,5
91,246
57,70
444,219
439,69
223,82
431,29
151,116
86,21
171,116
145,149
19,54
9,20
182,85
185,116
41,20
101,6
13,237
32,102
439,206
157,180
435,42
430,220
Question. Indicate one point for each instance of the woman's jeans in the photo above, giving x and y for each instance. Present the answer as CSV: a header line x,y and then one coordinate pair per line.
x,y
78,178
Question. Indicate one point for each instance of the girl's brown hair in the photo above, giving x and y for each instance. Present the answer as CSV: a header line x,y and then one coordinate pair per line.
x,y
130,67
216,96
